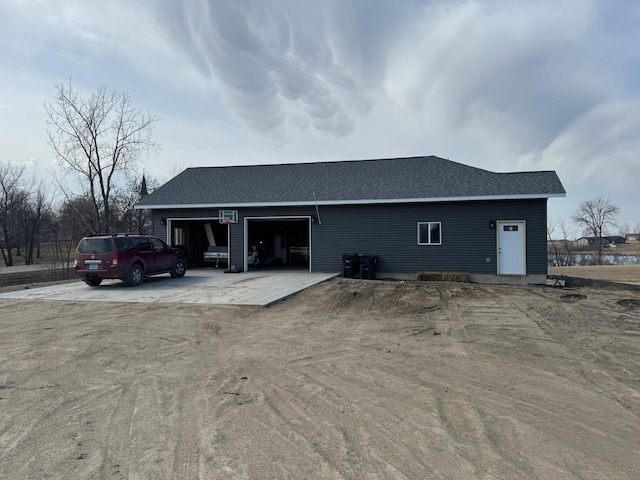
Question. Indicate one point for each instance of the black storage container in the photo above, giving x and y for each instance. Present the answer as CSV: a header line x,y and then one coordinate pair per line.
x,y
368,266
349,265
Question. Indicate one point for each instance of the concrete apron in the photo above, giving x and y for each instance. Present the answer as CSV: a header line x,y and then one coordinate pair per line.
x,y
203,286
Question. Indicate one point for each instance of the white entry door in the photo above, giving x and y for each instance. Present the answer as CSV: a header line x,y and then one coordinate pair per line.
x,y
511,248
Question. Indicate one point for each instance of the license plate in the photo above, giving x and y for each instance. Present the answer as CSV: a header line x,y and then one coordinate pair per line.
x,y
93,266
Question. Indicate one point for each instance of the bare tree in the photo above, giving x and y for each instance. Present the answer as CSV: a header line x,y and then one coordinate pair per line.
x,y
99,140
595,216
23,206
74,219
552,244
568,236
34,215
11,201
129,219
624,229
560,235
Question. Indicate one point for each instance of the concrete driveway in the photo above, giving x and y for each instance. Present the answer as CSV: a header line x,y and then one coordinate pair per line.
x,y
260,288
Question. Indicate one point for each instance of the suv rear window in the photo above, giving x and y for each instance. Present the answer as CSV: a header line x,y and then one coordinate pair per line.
x,y
95,245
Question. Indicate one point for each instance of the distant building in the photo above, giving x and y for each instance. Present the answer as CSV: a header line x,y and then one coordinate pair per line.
x,y
616,239
632,237
591,241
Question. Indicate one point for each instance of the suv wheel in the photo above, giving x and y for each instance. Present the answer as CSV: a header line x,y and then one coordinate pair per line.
x,y
136,275
93,282
179,269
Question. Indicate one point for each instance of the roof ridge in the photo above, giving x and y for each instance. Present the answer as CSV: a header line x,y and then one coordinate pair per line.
x,y
331,162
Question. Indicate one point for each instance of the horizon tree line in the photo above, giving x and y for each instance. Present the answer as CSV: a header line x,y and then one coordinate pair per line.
x,y
29,216
99,142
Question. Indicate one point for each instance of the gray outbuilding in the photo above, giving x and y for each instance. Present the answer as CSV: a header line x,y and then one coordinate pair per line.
x,y
402,215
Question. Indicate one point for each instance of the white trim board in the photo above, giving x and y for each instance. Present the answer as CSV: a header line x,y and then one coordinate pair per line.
x,y
352,202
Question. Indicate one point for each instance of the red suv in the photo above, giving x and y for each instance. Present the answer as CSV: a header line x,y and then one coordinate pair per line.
x,y
128,257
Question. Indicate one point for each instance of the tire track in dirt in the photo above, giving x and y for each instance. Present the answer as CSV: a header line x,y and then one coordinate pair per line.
x,y
57,416
296,391
273,411
227,395
614,389
358,456
447,294
360,407
476,442
299,405
62,432
599,347
461,314
146,394
354,387
320,391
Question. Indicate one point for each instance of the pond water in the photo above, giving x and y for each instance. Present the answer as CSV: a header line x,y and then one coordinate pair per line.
x,y
588,259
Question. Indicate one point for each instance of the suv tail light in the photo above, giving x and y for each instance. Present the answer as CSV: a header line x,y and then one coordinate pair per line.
x,y
114,262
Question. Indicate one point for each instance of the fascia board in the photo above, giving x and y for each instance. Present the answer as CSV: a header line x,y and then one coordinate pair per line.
x,y
352,202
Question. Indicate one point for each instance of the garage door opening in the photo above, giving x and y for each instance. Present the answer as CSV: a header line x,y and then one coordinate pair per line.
x,y
279,243
205,241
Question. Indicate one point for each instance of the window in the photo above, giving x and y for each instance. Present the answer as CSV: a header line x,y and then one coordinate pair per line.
x,y
429,233
125,245
144,245
178,236
158,245
95,245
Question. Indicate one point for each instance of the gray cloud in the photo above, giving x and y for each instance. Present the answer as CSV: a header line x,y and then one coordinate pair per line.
x,y
271,60
535,66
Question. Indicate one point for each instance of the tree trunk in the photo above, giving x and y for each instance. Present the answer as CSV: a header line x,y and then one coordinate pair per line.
x,y
8,257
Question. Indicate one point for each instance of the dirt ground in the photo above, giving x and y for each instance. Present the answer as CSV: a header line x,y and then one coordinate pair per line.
x,y
350,379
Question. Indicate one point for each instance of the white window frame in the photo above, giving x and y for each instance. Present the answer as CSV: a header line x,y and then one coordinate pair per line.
x,y
429,233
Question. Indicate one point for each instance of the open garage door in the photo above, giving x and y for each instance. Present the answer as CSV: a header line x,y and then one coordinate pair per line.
x,y
205,241
278,243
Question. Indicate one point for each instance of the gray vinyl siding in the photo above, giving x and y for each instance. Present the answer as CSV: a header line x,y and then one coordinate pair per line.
x,y
390,232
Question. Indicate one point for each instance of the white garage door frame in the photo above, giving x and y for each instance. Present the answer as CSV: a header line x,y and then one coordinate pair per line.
x,y
277,217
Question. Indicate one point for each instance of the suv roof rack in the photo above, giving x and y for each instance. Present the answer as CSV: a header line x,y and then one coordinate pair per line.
x,y
119,234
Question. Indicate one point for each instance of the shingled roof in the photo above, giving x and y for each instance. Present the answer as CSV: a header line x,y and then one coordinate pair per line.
x,y
399,180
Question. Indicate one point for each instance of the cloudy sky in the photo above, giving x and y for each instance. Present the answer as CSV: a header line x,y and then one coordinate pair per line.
x,y
505,85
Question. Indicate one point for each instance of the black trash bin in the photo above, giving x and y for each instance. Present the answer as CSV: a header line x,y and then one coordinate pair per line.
x,y
349,265
368,266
